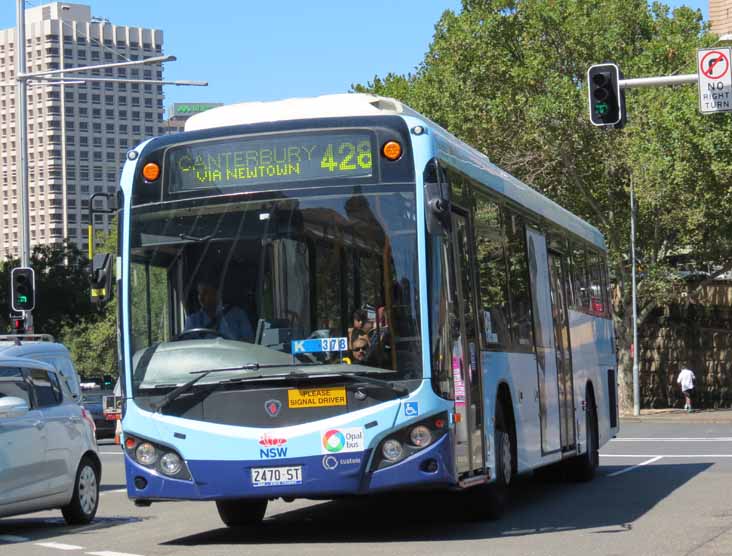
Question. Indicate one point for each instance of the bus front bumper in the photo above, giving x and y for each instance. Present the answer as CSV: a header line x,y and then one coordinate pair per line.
x,y
325,476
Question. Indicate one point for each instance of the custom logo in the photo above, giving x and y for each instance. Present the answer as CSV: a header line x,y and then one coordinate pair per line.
x,y
273,447
335,441
330,463
273,407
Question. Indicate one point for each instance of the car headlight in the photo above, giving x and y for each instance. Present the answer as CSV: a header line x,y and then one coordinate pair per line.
x,y
170,463
420,436
146,454
392,449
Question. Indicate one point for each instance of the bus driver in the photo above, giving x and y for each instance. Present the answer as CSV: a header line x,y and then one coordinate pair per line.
x,y
230,321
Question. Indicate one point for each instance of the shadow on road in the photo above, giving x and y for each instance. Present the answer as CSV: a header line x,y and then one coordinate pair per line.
x,y
609,503
43,528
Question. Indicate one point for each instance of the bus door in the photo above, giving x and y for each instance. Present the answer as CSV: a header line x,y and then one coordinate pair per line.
x,y
557,283
466,371
546,361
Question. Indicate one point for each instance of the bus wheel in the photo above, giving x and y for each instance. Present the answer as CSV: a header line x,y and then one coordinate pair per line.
x,y
584,466
493,503
241,512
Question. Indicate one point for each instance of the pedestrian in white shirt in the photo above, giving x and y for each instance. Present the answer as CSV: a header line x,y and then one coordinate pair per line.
x,y
686,380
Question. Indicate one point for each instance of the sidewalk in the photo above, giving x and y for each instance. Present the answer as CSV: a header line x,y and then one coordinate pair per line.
x,y
679,415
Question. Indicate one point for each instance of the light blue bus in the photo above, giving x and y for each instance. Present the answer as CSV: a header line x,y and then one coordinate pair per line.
x,y
334,296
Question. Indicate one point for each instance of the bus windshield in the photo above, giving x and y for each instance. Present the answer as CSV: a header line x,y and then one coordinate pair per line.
x,y
318,279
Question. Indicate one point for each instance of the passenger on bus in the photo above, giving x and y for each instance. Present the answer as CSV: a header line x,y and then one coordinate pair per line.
x,y
360,326
230,321
360,349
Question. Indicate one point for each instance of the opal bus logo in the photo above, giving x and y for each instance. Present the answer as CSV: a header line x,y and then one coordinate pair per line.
x,y
335,441
273,407
272,447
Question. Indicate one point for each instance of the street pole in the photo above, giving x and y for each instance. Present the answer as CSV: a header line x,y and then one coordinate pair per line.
x,y
21,121
636,370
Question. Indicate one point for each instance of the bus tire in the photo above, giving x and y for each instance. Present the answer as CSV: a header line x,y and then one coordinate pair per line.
x,y
497,493
585,465
242,512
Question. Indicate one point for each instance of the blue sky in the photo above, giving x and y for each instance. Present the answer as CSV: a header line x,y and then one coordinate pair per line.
x,y
264,50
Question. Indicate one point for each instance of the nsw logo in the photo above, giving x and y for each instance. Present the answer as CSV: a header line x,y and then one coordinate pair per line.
x,y
272,447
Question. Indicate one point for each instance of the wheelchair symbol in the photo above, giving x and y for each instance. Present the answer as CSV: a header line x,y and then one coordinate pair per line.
x,y
411,409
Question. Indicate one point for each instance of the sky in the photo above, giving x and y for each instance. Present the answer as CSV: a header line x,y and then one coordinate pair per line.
x,y
272,49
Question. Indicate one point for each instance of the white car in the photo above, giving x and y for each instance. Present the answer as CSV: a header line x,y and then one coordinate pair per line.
x,y
48,450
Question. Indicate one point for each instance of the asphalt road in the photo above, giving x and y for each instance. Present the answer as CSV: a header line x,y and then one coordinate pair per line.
x,y
663,488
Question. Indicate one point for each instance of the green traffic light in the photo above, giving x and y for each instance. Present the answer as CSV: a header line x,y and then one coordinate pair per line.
x,y
602,108
22,299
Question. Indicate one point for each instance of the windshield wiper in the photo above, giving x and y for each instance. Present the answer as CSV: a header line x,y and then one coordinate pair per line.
x,y
183,388
196,238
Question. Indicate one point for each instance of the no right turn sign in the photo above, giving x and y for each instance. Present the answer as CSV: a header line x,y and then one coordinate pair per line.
x,y
715,80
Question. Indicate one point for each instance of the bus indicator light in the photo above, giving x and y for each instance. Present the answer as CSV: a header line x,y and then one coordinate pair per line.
x,y
391,150
151,171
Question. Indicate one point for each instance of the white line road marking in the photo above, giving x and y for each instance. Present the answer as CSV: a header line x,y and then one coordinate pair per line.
x,y
666,455
634,466
13,538
107,553
59,546
710,439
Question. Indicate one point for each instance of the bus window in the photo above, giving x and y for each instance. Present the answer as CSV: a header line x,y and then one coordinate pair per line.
x,y
518,281
597,290
149,288
490,242
580,286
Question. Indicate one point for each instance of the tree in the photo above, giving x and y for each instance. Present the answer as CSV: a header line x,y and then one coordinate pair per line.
x,y
62,287
507,76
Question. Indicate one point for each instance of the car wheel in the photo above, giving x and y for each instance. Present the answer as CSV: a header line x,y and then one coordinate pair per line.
x,y
84,503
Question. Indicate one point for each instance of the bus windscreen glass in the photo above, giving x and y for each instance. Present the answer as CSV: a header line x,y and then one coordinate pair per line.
x,y
276,159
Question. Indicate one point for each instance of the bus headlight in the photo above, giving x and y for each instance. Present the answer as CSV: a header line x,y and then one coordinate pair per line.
x,y
403,443
392,449
146,454
420,436
170,463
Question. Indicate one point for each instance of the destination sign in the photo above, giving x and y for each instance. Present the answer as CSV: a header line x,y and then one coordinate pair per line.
x,y
240,163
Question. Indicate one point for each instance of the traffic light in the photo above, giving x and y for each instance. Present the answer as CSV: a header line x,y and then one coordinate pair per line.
x,y
18,323
607,101
101,277
22,289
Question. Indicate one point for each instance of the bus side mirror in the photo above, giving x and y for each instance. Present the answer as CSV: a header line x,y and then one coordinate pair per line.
x,y
101,278
438,209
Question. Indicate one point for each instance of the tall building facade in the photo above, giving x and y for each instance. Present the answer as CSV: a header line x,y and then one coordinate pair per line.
x,y
78,134
720,16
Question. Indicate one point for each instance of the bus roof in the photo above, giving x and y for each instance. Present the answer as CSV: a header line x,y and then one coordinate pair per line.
x,y
451,149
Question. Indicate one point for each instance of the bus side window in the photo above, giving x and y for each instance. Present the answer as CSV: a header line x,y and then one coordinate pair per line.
x,y
518,280
490,250
580,285
597,290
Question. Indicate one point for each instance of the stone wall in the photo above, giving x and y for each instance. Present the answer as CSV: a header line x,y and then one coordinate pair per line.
x,y
699,333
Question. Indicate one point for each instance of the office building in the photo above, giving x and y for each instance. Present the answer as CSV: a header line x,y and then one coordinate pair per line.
x,y
720,16
179,112
78,134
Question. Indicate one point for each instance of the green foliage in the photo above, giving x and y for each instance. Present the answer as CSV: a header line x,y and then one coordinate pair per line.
x,y
507,76
62,289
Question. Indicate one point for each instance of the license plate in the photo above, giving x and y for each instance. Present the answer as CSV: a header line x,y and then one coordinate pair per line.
x,y
276,476
316,397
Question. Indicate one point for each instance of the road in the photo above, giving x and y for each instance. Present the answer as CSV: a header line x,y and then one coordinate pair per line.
x,y
662,488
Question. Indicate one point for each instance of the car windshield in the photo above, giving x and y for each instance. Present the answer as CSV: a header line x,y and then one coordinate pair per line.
x,y
313,280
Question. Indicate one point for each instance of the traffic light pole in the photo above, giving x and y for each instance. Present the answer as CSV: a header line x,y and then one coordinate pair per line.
x,y
659,81
21,115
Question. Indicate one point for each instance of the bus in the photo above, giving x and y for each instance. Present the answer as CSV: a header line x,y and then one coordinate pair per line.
x,y
335,297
